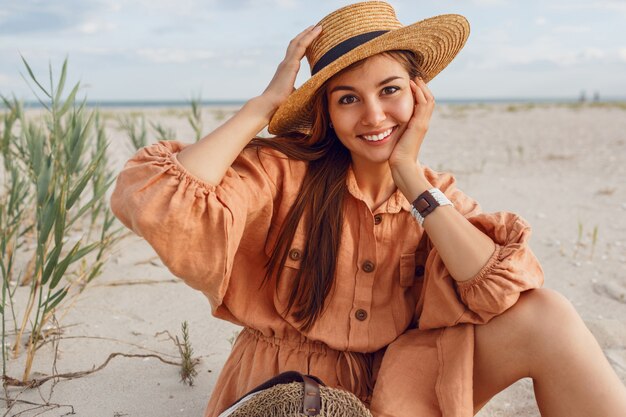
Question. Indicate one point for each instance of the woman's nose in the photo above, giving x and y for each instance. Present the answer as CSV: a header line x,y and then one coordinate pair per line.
x,y
373,113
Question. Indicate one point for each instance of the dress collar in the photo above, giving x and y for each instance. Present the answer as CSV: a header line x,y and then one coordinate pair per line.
x,y
396,202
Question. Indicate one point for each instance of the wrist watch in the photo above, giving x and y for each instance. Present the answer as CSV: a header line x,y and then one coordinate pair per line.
x,y
427,202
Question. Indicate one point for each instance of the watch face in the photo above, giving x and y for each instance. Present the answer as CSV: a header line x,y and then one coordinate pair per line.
x,y
425,203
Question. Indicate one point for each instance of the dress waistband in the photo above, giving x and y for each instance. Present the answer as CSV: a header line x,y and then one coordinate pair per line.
x,y
356,371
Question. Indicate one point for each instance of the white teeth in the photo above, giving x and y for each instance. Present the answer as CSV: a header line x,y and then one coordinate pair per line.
x,y
376,138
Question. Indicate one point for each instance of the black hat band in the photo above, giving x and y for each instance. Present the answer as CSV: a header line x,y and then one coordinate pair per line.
x,y
343,48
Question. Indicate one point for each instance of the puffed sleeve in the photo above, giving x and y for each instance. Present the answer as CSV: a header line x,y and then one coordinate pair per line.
x,y
511,269
193,226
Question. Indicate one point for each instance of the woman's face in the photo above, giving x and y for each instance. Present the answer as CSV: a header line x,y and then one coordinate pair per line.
x,y
370,107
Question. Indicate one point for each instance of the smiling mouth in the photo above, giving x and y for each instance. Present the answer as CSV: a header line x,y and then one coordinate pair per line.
x,y
379,137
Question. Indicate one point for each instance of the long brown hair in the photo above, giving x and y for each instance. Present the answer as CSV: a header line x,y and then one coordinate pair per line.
x,y
319,202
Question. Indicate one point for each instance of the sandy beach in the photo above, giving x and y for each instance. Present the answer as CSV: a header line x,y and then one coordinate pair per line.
x,y
558,166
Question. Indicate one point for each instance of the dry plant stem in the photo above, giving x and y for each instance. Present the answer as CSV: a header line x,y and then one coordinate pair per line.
x,y
35,334
30,355
29,309
11,403
112,340
147,261
29,272
55,341
141,282
33,383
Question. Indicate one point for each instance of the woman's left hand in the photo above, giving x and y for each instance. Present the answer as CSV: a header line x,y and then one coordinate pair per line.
x,y
406,151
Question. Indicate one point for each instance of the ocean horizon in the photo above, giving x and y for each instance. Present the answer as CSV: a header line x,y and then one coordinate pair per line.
x,y
222,103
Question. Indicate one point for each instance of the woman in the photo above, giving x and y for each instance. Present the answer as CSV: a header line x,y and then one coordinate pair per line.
x,y
343,257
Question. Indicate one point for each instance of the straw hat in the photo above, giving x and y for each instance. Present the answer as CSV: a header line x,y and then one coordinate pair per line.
x,y
361,30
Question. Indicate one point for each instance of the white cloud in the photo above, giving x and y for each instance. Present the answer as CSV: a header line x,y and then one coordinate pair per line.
x,y
571,29
540,21
589,54
251,52
622,54
174,56
5,80
495,35
35,17
91,27
239,63
538,53
612,5
174,8
490,2
286,4
94,50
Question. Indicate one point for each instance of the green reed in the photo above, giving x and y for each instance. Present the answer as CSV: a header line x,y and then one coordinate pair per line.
x,y
138,134
136,131
580,241
188,363
195,118
163,132
56,177
12,210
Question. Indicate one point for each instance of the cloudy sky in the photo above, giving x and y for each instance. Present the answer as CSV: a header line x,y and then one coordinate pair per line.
x,y
228,49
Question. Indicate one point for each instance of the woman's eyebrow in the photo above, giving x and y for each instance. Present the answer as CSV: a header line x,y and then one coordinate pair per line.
x,y
349,88
387,80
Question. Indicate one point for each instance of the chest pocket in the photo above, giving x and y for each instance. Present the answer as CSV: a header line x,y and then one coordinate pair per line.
x,y
296,247
292,266
292,262
412,268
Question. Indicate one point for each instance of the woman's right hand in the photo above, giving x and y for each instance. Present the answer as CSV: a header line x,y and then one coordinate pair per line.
x,y
282,83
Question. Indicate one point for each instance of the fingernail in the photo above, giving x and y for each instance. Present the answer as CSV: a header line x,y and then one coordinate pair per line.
x,y
318,28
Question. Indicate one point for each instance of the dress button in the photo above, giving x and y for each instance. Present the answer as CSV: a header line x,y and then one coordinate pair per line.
x,y
360,314
378,219
295,254
419,270
368,266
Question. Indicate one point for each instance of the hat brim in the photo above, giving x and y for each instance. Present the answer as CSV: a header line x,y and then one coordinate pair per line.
x,y
436,41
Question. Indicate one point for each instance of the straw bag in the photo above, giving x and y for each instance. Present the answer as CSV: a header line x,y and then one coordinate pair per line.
x,y
292,394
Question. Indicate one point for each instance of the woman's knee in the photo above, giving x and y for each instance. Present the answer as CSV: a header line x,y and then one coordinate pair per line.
x,y
542,309
539,316
544,319
513,345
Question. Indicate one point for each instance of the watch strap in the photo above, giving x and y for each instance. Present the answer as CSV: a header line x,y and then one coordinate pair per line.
x,y
427,202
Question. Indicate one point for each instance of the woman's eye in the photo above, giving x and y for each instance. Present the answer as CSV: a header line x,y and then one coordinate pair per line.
x,y
390,89
347,100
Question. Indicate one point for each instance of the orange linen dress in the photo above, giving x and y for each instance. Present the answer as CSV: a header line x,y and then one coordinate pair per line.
x,y
397,329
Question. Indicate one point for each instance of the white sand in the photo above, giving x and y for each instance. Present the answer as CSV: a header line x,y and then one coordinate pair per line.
x,y
556,166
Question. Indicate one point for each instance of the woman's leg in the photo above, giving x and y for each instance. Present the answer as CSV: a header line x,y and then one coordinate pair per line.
x,y
543,337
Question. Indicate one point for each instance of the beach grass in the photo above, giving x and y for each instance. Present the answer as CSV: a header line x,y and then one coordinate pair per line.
x,y
55,177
